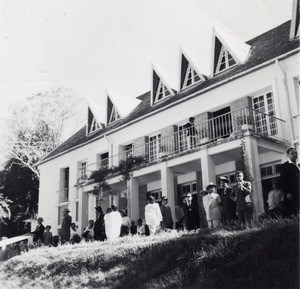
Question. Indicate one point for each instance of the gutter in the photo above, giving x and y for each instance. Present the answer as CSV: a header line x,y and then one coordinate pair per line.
x,y
269,62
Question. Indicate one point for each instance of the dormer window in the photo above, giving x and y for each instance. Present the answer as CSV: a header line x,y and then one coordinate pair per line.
x,y
160,90
112,113
228,50
225,59
191,77
193,68
93,124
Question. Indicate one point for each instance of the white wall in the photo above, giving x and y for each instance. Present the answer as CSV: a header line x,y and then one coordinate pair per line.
x,y
247,85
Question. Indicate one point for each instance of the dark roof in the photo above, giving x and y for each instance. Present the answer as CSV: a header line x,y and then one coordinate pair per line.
x,y
264,47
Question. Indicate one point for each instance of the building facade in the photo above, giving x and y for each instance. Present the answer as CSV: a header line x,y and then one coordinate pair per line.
x,y
245,101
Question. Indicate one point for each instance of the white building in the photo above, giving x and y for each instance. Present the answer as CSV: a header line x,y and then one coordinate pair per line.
x,y
246,96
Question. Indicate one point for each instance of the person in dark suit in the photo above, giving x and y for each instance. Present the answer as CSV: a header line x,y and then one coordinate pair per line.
x,y
191,217
228,205
65,226
167,221
38,234
289,179
239,193
191,133
99,228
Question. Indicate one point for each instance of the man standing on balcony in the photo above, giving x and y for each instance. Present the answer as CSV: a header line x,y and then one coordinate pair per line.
x,y
167,220
65,226
289,178
191,133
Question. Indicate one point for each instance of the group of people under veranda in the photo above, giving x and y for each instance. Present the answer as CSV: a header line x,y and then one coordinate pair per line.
x,y
215,207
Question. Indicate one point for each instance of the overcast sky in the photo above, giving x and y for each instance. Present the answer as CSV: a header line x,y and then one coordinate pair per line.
x,y
91,45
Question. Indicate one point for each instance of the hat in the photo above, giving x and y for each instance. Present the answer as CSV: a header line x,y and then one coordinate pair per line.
x,y
164,198
48,226
224,179
151,198
98,208
41,219
66,210
211,184
191,118
203,192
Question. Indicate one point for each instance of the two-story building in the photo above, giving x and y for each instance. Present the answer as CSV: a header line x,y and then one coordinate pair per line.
x,y
245,101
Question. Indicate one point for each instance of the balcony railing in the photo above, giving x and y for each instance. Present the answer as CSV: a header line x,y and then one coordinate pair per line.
x,y
63,195
222,127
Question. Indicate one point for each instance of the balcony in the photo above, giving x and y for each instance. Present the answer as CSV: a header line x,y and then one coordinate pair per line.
x,y
223,128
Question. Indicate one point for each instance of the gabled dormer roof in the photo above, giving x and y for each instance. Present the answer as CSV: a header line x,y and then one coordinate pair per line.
x,y
193,68
227,49
95,117
295,23
163,83
118,106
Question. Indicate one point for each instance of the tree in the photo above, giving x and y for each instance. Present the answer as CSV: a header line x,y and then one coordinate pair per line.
x,y
41,123
20,185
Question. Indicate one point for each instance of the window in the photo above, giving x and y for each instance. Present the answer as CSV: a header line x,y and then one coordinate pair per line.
x,y
159,89
154,147
264,114
182,138
162,92
82,170
128,150
114,115
230,176
225,59
157,194
76,211
188,188
191,77
64,191
93,124
103,160
270,170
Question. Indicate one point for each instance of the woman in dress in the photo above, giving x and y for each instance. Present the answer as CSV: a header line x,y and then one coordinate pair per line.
x,y
152,215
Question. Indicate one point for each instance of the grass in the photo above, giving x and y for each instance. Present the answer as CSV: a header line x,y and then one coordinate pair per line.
x,y
265,256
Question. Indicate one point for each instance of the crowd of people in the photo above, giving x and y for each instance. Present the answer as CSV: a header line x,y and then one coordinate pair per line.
x,y
217,206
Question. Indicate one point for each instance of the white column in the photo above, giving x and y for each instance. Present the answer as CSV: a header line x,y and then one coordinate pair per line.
x,y
252,160
207,168
133,198
167,187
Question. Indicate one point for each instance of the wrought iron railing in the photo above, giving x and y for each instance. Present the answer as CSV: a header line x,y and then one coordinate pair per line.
x,y
212,130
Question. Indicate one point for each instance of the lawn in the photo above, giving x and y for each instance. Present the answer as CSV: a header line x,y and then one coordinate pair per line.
x,y
264,256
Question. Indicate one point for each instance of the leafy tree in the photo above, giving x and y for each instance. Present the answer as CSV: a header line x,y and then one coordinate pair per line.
x,y
21,186
40,123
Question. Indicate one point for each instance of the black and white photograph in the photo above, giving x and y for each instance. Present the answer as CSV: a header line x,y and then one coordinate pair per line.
x,y
149,144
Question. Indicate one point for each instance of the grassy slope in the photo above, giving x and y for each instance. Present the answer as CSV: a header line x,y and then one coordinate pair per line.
x,y
265,257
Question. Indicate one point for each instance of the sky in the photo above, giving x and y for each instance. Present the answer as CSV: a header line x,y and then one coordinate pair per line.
x,y
92,45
